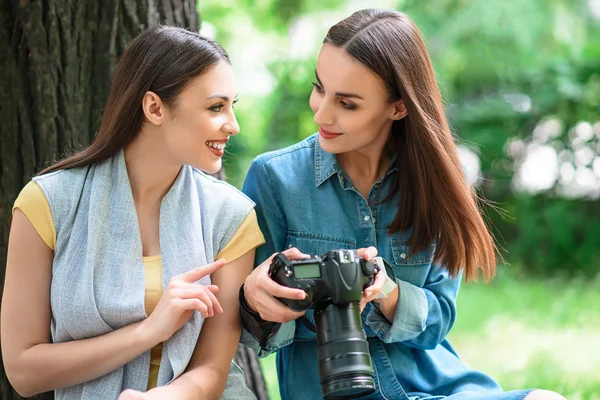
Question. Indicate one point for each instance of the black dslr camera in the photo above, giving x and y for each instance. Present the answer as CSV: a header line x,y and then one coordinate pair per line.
x,y
333,284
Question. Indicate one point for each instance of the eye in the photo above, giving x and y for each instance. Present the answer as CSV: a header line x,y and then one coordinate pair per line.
x,y
217,107
318,87
234,103
348,106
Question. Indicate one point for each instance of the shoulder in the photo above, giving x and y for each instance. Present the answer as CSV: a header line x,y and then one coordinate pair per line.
x,y
295,159
63,184
220,193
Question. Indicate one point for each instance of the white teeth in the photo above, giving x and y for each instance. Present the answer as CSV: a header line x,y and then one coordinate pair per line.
x,y
215,145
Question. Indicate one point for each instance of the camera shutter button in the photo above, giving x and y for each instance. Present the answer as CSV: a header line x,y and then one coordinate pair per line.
x,y
309,290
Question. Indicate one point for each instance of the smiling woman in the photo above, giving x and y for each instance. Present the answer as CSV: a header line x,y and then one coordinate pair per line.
x,y
125,259
382,174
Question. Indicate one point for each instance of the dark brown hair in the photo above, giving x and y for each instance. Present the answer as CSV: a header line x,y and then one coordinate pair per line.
x,y
162,59
434,199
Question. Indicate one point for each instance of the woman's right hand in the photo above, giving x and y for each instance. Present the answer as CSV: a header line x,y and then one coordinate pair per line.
x,y
260,292
180,299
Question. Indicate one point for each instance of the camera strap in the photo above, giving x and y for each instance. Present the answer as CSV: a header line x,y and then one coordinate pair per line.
x,y
306,322
259,328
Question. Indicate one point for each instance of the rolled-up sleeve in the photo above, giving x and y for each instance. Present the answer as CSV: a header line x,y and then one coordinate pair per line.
x,y
424,315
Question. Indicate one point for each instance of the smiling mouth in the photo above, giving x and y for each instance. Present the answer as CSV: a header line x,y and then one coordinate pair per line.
x,y
216,145
327,134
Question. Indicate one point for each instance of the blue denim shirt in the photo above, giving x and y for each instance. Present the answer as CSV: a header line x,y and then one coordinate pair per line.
x,y
304,199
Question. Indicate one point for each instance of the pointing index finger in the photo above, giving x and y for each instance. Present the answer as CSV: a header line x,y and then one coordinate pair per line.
x,y
200,272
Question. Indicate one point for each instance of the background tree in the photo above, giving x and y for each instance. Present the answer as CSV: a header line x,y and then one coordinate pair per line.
x,y
56,58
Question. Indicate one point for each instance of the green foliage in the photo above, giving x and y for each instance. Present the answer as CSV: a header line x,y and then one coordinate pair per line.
x,y
503,67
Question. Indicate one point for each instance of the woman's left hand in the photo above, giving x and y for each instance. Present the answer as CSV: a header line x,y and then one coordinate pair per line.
x,y
372,291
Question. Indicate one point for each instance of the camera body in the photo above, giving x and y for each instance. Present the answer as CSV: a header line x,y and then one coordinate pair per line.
x,y
333,284
339,276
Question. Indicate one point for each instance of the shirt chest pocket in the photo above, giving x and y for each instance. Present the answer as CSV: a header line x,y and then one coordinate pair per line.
x,y
412,268
316,244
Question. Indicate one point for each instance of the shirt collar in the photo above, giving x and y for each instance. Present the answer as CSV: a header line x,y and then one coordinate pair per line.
x,y
326,164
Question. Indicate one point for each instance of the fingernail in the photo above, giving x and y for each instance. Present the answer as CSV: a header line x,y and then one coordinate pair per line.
x,y
301,295
369,293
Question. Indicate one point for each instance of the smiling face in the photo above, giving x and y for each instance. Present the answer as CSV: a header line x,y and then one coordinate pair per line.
x,y
201,122
350,103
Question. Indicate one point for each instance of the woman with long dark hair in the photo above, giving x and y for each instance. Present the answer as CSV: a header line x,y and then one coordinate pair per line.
x,y
382,172
125,259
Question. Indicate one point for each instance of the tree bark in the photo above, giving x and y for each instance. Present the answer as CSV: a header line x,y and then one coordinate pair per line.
x,y
56,59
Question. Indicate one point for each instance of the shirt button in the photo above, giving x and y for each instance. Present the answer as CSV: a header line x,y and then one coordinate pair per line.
x,y
289,246
403,255
367,218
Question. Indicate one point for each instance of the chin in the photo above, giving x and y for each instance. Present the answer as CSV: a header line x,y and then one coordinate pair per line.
x,y
208,168
329,147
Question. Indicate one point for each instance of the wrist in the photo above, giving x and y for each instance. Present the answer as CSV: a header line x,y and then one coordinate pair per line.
x,y
253,323
146,334
245,303
388,304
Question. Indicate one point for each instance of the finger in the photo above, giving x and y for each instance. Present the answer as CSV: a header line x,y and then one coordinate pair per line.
x,y
362,305
213,288
277,290
275,311
131,394
204,296
215,303
193,303
371,293
201,272
295,254
378,283
367,253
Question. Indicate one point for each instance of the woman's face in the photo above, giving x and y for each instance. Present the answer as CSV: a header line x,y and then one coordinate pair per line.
x,y
202,121
350,103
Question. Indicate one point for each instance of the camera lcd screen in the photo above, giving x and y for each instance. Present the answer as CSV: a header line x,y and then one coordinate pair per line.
x,y
307,271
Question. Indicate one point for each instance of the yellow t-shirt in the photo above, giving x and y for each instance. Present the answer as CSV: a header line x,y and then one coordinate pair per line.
x,y
33,203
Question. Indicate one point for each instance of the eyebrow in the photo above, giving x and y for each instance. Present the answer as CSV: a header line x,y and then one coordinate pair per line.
x,y
340,94
220,96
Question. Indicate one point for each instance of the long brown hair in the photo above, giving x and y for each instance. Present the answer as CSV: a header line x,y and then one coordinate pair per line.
x,y
161,59
434,199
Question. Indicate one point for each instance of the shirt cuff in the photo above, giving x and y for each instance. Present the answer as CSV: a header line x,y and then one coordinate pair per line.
x,y
410,317
283,337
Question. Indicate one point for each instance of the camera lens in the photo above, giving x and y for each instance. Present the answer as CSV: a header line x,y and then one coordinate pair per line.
x,y
344,361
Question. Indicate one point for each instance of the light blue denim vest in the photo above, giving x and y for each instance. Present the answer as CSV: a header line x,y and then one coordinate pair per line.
x,y
98,275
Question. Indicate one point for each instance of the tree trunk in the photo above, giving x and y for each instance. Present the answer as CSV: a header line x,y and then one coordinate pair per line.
x,y
56,59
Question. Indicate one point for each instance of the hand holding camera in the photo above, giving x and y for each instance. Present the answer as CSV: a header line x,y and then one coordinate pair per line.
x,y
334,285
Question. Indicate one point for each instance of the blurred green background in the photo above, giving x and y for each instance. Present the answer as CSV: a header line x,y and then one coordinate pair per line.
x,y
521,81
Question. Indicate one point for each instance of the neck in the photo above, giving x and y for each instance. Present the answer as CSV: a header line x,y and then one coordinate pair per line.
x,y
151,174
366,165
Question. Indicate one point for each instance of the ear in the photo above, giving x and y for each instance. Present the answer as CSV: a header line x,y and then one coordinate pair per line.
x,y
398,111
154,109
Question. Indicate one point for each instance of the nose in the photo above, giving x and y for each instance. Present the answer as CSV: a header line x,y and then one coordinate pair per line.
x,y
231,126
323,111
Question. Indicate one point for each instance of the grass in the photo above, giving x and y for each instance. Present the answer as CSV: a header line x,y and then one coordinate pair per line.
x,y
526,333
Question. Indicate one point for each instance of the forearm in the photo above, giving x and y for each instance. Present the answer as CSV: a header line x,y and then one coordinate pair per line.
x,y
49,366
421,317
206,374
441,315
